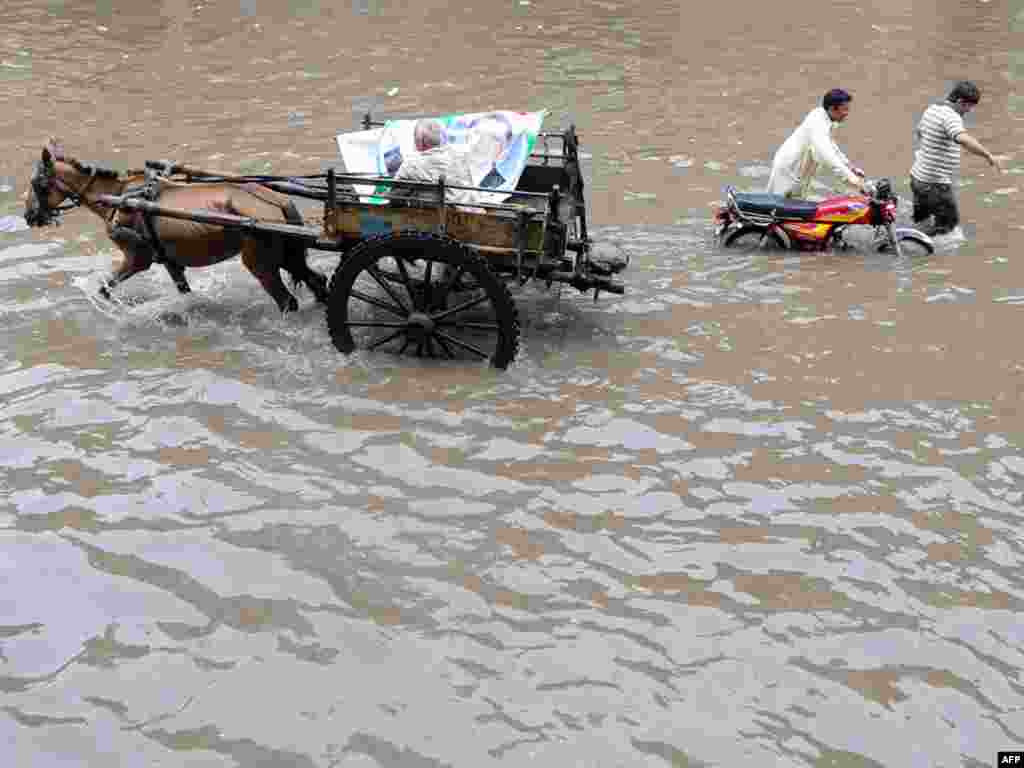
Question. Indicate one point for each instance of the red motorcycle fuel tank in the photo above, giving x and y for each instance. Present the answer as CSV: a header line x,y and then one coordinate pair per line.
x,y
807,233
846,209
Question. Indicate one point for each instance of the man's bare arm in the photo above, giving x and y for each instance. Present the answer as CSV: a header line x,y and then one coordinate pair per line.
x,y
975,147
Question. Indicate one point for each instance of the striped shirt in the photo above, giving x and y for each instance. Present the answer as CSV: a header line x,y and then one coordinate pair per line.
x,y
938,155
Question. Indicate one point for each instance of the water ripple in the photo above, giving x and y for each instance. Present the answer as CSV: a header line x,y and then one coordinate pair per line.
x,y
762,508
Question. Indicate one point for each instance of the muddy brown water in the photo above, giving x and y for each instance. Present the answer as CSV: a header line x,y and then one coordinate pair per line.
x,y
760,510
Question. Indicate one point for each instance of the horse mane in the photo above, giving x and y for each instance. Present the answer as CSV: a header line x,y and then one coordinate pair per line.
x,y
90,170
57,152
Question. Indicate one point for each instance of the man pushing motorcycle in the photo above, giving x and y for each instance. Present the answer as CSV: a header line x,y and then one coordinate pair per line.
x,y
810,146
803,224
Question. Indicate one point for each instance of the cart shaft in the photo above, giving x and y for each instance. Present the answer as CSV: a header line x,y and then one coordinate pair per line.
x,y
228,220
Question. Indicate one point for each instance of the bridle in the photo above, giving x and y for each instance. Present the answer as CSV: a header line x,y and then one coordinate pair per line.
x,y
45,180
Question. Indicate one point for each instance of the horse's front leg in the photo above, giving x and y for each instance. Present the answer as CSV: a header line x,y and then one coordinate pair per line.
x,y
138,257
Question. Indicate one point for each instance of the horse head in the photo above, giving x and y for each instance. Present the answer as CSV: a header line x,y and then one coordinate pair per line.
x,y
43,198
58,184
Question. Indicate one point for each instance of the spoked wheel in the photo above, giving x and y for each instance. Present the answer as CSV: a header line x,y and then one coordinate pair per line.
x,y
748,238
422,294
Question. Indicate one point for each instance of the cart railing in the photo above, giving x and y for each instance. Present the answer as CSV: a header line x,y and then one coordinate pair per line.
x,y
389,181
301,186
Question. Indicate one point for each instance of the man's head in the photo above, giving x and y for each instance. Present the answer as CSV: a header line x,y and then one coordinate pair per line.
x,y
837,103
427,134
964,97
498,130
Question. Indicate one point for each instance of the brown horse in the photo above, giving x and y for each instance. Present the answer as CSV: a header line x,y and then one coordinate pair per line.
x,y
176,243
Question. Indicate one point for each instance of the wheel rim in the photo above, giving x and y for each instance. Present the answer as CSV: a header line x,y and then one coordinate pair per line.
x,y
910,246
424,306
748,239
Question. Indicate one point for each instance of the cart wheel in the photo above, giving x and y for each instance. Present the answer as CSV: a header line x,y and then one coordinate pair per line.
x,y
425,294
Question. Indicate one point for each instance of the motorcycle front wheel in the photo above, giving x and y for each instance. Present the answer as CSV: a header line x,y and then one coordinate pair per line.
x,y
911,245
748,238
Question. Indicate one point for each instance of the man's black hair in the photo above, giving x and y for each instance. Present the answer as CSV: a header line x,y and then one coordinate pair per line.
x,y
835,98
965,90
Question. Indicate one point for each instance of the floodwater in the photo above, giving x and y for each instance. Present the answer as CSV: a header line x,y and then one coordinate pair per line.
x,y
760,510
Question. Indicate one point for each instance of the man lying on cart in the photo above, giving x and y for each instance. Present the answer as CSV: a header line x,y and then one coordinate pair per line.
x,y
459,163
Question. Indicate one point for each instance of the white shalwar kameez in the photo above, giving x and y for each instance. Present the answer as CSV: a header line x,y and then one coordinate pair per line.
x,y
460,164
807,148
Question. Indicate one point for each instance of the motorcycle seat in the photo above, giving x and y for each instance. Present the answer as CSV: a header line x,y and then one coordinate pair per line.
x,y
778,206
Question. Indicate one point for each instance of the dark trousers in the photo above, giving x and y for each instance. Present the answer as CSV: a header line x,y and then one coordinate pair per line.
x,y
936,200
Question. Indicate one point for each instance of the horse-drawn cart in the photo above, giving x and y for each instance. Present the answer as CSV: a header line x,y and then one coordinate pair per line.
x,y
424,275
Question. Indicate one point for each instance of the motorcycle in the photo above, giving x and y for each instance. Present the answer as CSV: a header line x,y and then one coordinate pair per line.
x,y
808,225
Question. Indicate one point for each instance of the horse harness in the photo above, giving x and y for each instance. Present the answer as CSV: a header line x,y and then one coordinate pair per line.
x,y
139,228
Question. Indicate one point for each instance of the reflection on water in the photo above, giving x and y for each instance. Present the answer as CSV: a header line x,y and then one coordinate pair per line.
x,y
761,509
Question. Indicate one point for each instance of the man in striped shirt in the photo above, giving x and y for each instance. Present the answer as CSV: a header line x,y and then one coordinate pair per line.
x,y
941,133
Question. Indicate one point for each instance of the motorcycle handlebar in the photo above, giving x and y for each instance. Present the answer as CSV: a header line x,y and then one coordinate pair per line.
x,y
880,189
